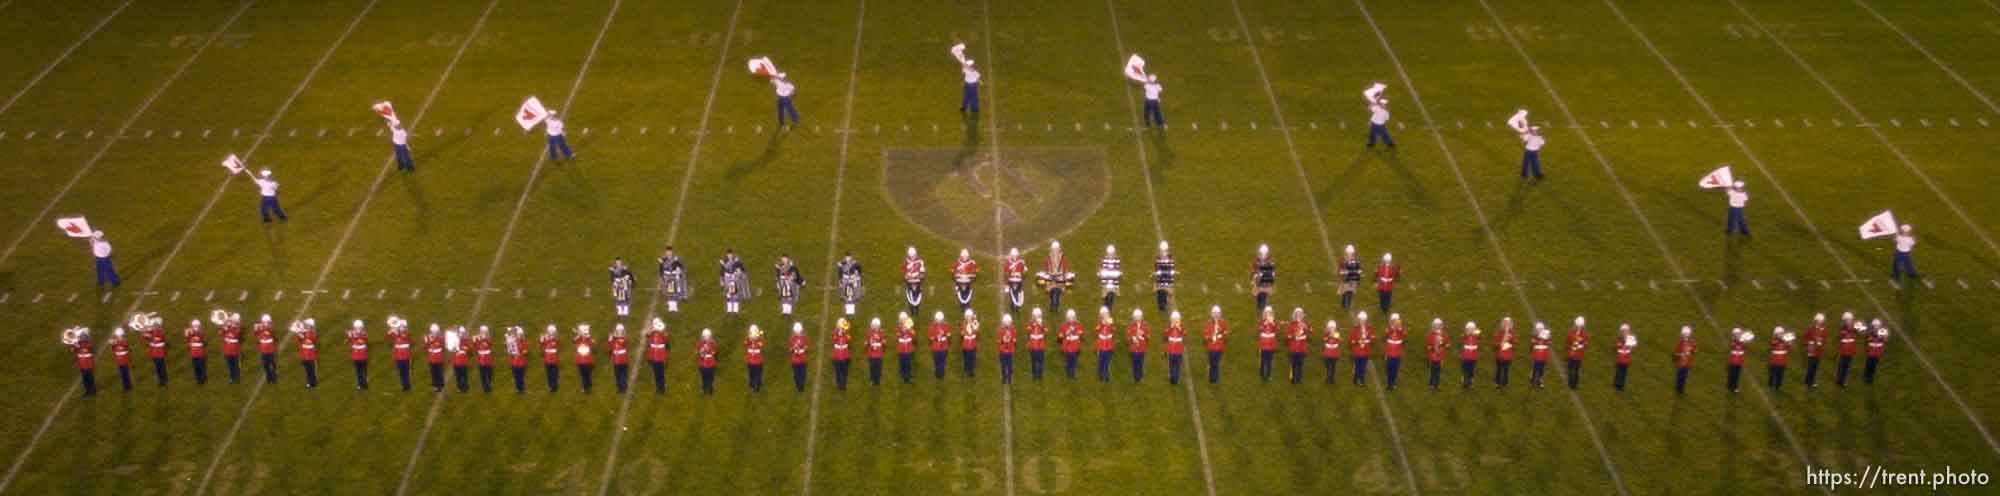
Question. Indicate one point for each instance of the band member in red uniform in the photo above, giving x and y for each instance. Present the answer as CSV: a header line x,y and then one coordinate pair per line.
x,y
798,347
156,348
197,344
1578,338
842,354
121,353
1015,270
940,336
1385,279
1072,342
1299,335
1217,334
517,357
267,347
1850,335
1038,343
753,358
1539,353
1267,343
913,281
1107,342
963,273
1468,353
357,350
308,350
906,344
434,355
1136,335
1005,336
232,343
621,357
1434,345
1503,354
1622,356
1683,359
656,354
704,359
78,340
399,348
1878,342
1815,346
1739,340
1392,353
460,346
551,346
1176,336
586,357
969,341
482,356
876,343
1361,347
1781,349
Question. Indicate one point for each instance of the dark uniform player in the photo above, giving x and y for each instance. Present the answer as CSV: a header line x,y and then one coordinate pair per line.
x,y
842,354
621,287
673,280
1110,275
1350,277
656,354
1217,334
876,343
963,273
1055,277
1683,359
913,280
704,354
1164,275
1263,276
850,282
1015,270
735,281
1072,342
789,280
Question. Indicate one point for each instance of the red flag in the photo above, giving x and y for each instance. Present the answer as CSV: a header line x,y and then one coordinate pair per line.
x,y
384,109
531,113
1882,224
1719,178
75,227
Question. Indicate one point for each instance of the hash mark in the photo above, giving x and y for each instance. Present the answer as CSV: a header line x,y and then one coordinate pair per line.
x,y
5,297
517,293
38,298
105,298
1825,285
344,293
552,293
1961,285
72,298
448,292
280,295
1618,284
415,292
381,293
1757,284
177,296
1794,286
244,296
208,297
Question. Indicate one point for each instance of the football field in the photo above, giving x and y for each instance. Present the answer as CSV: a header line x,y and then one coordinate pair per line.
x,y
1831,111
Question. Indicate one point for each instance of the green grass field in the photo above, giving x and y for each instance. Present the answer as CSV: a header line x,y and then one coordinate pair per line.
x,y
1831,110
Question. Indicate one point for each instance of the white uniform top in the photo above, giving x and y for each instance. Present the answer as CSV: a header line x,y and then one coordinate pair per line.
x,y
784,87
1378,115
399,136
1153,91
100,248
1532,141
971,76
1738,197
555,127
267,187
1905,242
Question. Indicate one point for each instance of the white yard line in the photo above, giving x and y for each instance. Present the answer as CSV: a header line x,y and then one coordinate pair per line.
x,y
1833,253
1877,131
527,190
832,248
22,459
1159,231
1590,426
1927,54
652,304
999,234
326,269
1665,254
1326,243
64,56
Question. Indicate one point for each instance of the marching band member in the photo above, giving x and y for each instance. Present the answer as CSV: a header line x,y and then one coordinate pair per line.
x,y
267,347
1015,270
1107,342
1878,342
1815,346
969,341
1038,344
850,282
1434,344
1899,263
1385,279
400,139
551,346
197,344
1378,121
1072,342
267,191
1468,353
788,284
232,341
1164,275
1263,275
517,357
1055,277
482,351
798,346
753,358
1267,343
399,346
1683,359
783,87
1738,198
656,354
621,357
455,341
1176,336
1152,89
121,353
1503,356
1136,334
100,251
621,287
557,143
906,344
1739,339
1361,348
1622,356
1849,335
1110,275
735,282
876,343
1578,338
1539,353
940,335
156,343
963,272
586,358
1005,345
1781,349
841,353
673,280
913,280
357,351
1329,349
1298,335
970,97
1350,277
1392,355
308,333
1531,152
704,353
78,341
1216,333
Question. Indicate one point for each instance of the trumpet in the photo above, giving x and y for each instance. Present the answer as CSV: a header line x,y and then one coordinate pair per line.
x,y
74,335
140,321
218,316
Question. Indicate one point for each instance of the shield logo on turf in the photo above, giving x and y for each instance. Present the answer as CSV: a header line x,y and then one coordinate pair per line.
x,y
1024,196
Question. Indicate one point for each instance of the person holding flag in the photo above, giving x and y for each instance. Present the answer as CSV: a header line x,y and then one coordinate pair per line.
x,y
1378,122
1135,70
267,192
400,138
970,99
1721,178
1901,262
783,87
1531,143
557,142
101,251
1015,271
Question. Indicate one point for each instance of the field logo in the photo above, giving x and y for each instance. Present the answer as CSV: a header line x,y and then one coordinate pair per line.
x,y
1044,192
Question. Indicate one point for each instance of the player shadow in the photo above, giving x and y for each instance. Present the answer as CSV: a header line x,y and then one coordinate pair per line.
x,y
275,239
968,147
420,205
1165,157
742,168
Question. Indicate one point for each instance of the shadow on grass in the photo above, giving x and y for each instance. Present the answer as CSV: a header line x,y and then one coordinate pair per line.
x,y
746,167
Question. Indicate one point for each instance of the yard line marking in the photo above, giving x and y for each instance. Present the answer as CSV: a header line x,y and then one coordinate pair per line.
x,y
415,292
280,295
832,238
1652,233
1159,231
449,291
71,299
1800,212
38,300
1590,426
479,302
1326,243
102,298
1933,58
999,242
10,295
60,57
35,223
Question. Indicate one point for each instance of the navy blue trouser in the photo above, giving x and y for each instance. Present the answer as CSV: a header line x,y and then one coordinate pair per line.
x,y
1736,222
1898,264
785,108
1375,130
106,274
1103,366
403,373
1153,115
1214,367
559,144
756,377
403,160
1531,164
267,206
970,99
